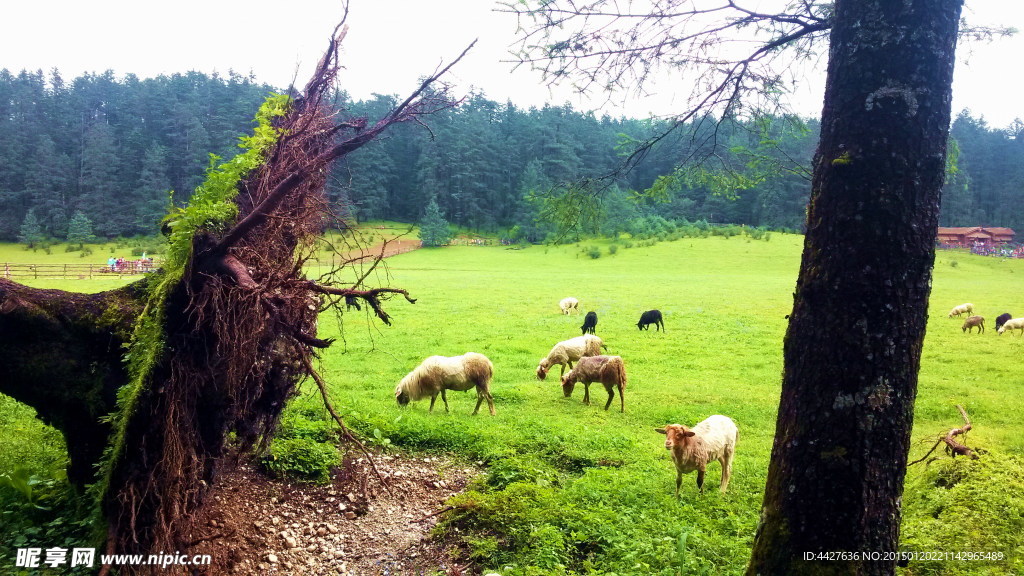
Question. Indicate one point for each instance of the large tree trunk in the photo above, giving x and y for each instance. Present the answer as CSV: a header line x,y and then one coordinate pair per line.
x,y
853,348
63,355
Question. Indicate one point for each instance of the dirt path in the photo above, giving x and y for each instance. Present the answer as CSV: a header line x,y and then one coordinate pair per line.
x,y
259,525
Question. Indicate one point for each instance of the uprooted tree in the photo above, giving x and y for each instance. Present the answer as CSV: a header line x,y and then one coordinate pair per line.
x,y
147,382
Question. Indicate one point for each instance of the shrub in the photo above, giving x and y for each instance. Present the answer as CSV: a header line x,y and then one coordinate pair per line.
x,y
302,458
986,495
520,468
304,447
594,252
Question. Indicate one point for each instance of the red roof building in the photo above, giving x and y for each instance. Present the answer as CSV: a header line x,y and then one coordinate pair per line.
x,y
975,236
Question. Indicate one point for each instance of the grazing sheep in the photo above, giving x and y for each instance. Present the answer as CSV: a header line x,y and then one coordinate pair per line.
x,y
973,321
440,373
569,304
651,317
589,323
1002,318
568,351
608,370
962,309
1011,325
693,448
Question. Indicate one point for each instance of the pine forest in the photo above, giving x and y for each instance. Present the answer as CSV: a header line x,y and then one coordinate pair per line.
x,y
108,155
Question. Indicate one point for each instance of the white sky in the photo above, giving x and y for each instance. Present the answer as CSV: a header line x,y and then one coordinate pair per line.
x,y
391,43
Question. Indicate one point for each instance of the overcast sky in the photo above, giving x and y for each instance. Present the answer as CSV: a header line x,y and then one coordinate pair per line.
x,y
390,44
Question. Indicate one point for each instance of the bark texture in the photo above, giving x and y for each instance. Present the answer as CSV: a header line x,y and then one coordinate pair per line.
x,y
853,347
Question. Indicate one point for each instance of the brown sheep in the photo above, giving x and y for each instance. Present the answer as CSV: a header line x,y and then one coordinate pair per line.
x,y
608,370
973,321
692,449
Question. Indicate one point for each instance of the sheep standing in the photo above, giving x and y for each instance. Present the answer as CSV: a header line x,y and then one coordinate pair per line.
x,y
568,351
608,370
962,309
569,304
1002,318
651,317
439,373
589,323
1011,325
973,321
692,449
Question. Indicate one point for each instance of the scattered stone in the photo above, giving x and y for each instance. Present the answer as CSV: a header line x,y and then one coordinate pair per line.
x,y
282,528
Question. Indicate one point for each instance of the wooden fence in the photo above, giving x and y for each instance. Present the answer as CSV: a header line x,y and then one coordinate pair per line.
x,y
73,271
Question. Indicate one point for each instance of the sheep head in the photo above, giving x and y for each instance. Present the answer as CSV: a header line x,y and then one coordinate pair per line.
x,y
542,369
568,384
401,396
675,434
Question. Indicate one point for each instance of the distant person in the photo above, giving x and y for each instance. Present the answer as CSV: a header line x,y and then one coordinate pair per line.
x,y
112,263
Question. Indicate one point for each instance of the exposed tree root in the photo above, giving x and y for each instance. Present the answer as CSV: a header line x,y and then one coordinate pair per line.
x,y
953,447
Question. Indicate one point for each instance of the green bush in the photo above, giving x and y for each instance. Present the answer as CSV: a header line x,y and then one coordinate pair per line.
x,y
305,446
41,512
520,468
594,252
298,424
302,458
968,506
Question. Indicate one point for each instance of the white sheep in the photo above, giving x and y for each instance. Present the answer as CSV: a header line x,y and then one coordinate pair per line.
x,y
1011,325
569,304
692,449
962,309
568,351
439,373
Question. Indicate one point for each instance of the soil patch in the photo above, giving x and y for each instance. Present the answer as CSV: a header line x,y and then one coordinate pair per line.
x,y
255,524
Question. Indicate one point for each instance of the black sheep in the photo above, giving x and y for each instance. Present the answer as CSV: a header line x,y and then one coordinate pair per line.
x,y
651,317
589,323
1002,318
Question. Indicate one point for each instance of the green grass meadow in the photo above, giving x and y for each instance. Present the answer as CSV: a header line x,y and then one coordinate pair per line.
x,y
573,489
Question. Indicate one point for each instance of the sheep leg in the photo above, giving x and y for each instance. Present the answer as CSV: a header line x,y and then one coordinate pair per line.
x,y
622,398
679,481
611,395
586,389
726,471
432,399
490,402
444,397
700,479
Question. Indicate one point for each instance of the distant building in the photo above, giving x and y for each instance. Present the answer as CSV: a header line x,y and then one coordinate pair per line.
x,y
975,236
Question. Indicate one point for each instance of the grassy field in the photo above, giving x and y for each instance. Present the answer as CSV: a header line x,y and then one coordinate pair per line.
x,y
574,489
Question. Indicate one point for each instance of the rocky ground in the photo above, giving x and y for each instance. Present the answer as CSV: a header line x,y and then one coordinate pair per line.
x,y
260,525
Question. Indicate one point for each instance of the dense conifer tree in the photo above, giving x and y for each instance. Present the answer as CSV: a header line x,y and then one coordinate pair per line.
x,y
434,230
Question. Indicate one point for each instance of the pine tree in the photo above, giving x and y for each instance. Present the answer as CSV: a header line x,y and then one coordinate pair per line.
x,y
80,229
31,232
434,229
